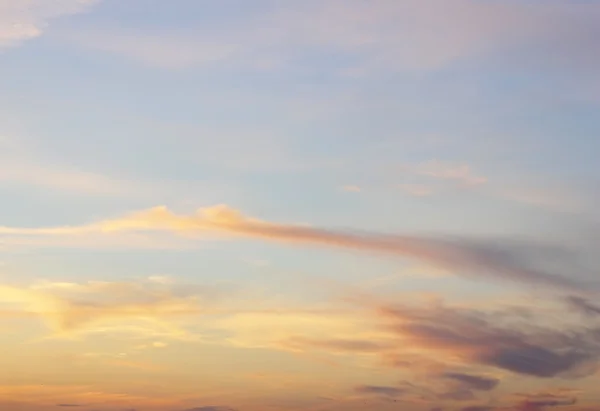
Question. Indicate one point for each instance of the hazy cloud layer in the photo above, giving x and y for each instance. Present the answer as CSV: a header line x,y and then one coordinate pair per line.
x,y
382,34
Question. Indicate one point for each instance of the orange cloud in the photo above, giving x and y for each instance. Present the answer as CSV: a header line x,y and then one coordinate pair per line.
x,y
516,262
75,308
351,189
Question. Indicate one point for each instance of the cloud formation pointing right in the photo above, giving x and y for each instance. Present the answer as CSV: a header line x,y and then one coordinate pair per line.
x,y
514,261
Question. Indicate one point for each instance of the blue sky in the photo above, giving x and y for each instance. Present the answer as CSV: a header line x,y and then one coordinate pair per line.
x,y
369,154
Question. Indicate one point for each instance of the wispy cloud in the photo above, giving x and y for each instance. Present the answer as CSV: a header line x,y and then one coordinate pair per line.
x,y
518,261
434,390
416,190
64,179
437,341
164,50
211,408
39,396
583,306
383,33
23,20
351,188
21,165
393,392
82,308
300,331
459,173
486,339
474,382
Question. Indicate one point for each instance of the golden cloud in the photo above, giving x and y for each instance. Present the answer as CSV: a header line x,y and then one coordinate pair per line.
x,y
514,261
78,308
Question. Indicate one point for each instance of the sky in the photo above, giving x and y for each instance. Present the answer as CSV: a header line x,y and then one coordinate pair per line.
x,y
303,205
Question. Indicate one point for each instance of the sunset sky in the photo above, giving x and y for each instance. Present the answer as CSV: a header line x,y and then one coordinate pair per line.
x,y
299,205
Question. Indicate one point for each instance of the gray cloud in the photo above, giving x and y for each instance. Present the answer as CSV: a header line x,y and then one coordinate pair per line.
x,y
473,382
341,345
484,339
457,395
583,306
536,360
541,404
380,390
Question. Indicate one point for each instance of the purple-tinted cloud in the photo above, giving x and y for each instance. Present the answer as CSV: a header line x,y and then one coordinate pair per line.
x,y
482,339
380,390
473,382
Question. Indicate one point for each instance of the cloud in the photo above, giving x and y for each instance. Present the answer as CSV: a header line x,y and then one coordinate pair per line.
x,y
22,164
65,180
541,401
462,387
165,50
330,331
457,395
211,408
429,392
539,404
583,306
459,173
160,279
382,33
35,396
24,20
473,382
393,392
351,189
536,402
19,164
514,261
497,340
80,308
416,190
336,345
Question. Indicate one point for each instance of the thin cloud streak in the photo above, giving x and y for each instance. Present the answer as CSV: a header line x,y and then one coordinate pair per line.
x,y
517,262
